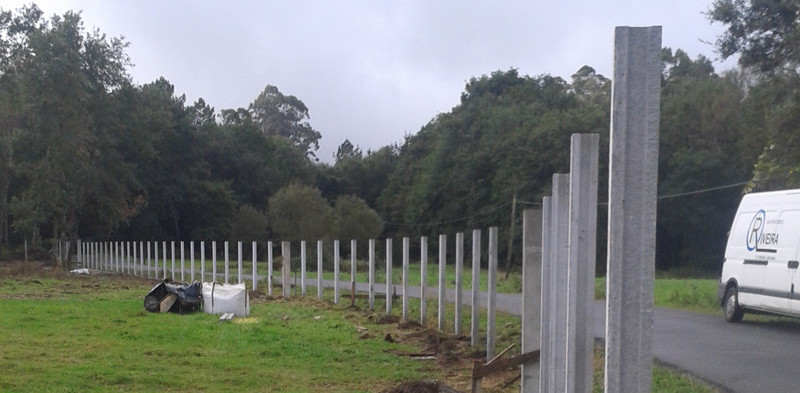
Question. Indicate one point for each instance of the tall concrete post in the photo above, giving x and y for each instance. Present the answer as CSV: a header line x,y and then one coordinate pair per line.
x,y
353,263
141,258
491,307
442,280
172,255
239,266
560,257
406,262
459,281
269,268
155,260
423,280
476,286
286,269
633,176
335,271
371,289
319,269
303,288
582,254
227,262
183,265
388,276
128,257
135,258
191,259
547,355
214,261
202,261
149,256
164,255
255,265
531,294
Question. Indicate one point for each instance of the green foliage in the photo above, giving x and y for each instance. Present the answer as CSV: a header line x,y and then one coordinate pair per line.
x,y
298,212
249,224
765,33
353,219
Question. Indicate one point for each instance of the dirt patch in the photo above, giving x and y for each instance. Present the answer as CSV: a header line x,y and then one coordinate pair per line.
x,y
421,387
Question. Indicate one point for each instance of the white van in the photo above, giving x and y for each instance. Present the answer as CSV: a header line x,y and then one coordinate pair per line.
x,y
760,268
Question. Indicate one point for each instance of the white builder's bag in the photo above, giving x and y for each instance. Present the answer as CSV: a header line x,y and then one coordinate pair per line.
x,y
225,298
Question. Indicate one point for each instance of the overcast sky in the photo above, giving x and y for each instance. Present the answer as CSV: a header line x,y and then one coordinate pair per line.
x,y
372,71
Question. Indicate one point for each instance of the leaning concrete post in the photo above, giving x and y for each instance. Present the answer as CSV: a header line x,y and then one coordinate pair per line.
x,y
303,268
335,271
214,261
371,274
582,254
319,269
405,277
164,260
227,263
269,268
459,283
442,281
547,336
560,249
239,262
633,175
353,260
255,265
388,276
531,294
491,322
423,285
476,286
286,269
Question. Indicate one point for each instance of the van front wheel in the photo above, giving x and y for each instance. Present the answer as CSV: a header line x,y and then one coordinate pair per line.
x,y
733,312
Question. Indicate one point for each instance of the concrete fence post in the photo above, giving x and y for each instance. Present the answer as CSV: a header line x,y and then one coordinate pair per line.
x,y
353,263
269,268
149,257
239,263
141,258
227,262
164,259
442,281
286,269
547,336
191,259
255,265
319,269
135,258
214,260
128,257
560,241
476,286
423,285
459,282
155,260
406,262
335,272
183,265
371,274
303,268
388,276
633,176
531,295
491,307
582,254
202,261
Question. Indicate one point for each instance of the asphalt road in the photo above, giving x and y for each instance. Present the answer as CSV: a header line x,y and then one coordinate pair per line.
x,y
743,358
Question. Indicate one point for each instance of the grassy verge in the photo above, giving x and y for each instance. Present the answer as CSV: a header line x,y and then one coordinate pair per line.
x,y
698,295
79,333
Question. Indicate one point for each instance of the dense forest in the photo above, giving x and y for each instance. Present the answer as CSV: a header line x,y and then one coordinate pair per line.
x,y
86,153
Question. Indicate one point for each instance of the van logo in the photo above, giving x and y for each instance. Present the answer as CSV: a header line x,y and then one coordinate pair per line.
x,y
756,238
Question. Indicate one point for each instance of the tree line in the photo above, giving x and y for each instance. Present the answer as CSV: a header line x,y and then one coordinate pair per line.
x,y
86,153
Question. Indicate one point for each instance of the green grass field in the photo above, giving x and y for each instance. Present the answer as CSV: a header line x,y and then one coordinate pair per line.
x,y
62,333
